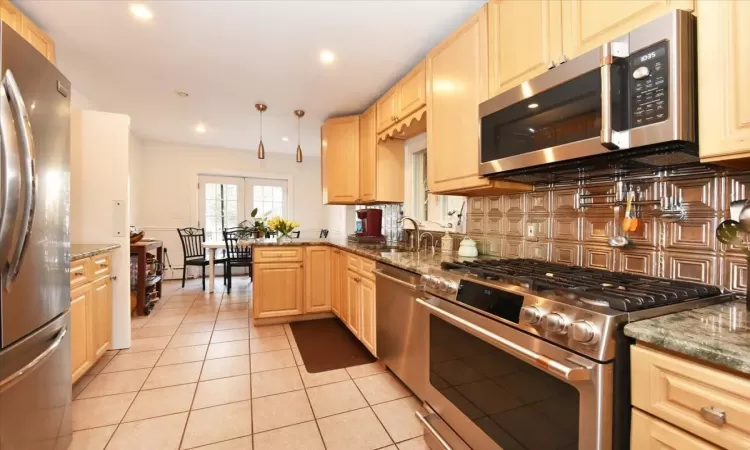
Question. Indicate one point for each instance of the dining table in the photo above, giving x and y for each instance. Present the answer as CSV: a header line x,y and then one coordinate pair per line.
x,y
211,246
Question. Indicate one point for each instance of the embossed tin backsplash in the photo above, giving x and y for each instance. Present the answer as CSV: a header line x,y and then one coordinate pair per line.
x,y
684,250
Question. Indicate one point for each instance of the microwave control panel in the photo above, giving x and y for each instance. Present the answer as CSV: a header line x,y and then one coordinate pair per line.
x,y
649,85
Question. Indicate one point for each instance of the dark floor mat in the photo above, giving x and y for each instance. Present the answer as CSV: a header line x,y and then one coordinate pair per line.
x,y
327,344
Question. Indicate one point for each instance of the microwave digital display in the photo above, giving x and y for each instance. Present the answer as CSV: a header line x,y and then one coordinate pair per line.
x,y
649,85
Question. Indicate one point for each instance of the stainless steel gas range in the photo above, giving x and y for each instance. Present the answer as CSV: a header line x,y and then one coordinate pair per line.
x,y
524,354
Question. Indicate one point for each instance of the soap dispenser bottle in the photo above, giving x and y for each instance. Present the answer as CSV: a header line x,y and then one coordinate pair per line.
x,y
446,243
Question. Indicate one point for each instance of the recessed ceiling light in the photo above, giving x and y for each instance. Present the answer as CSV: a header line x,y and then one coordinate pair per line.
x,y
533,105
182,94
285,139
327,57
531,129
141,11
200,128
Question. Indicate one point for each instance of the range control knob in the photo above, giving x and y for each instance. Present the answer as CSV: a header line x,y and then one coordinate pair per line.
x,y
641,72
531,315
450,287
555,323
584,332
442,284
430,280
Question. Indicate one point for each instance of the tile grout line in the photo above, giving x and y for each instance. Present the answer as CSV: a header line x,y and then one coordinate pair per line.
x,y
369,405
307,395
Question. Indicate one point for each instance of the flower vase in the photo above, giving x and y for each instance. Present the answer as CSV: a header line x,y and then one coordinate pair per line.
x,y
283,238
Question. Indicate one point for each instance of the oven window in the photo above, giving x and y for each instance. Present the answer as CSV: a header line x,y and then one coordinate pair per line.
x,y
516,404
569,112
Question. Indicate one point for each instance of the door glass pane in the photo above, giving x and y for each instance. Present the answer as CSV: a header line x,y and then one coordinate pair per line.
x,y
566,113
517,405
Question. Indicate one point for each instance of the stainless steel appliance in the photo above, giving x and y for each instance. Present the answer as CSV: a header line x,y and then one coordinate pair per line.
x,y
524,354
635,92
399,328
35,383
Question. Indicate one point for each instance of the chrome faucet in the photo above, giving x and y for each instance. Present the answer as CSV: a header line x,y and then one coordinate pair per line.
x,y
416,231
432,238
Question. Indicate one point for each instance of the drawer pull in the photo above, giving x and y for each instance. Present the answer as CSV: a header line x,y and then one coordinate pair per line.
x,y
714,415
78,274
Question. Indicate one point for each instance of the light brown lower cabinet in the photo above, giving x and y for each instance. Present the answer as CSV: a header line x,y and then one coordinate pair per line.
x,y
702,401
90,312
367,317
317,279
81,357
278,289
354,301
321,279
649,433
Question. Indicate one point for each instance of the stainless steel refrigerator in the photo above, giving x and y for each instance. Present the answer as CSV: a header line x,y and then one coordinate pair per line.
x,y
35,379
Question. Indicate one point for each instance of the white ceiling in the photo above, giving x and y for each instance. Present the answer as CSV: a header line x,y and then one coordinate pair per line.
x,y
229,55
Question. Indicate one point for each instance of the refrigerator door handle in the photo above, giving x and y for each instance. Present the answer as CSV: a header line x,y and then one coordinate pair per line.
x,y
34,363
10,184
21,117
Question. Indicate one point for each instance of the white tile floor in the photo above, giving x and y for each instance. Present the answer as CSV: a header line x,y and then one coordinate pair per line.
x,y
200,375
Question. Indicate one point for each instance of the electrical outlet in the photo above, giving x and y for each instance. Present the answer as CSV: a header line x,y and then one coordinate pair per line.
x,y
531,231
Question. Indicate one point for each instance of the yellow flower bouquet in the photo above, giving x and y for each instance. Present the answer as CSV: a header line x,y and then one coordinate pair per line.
x,y
283,227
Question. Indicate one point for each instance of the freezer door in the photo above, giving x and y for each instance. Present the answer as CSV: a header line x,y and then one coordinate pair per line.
x,y
35,390
35,287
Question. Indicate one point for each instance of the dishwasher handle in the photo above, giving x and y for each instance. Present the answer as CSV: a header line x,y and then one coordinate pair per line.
x,y
406,284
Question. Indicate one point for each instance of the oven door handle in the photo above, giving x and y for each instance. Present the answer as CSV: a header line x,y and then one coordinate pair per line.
x,y
567,372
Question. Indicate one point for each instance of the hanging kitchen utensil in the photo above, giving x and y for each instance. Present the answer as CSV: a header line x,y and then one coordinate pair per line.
x,y
634,220
735,208
627,220
730,232
745,218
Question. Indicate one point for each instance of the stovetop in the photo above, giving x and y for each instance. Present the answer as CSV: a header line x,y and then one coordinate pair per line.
x,y
576,307
616,290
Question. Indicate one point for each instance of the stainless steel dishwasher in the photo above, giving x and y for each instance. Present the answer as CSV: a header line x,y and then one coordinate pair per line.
x,y
401,332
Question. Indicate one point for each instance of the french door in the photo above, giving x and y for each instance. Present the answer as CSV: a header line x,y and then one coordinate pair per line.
x,y
225,202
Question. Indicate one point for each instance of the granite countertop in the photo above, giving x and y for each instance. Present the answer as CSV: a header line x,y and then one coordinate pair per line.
x,y
718,334
421,262
80,251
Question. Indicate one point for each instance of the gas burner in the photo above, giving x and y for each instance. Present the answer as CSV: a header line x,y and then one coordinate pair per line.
x,y
616,290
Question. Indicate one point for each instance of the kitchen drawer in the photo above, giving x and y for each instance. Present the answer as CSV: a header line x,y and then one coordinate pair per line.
x,y
100,265
647,432
353,263
80,272
275,254
710,403
368,265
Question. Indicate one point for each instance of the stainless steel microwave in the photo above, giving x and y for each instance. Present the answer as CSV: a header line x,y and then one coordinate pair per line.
x,y
636,91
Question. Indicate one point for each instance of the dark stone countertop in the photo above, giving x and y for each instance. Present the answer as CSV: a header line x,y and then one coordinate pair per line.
x,y
80,251
718,334
421,262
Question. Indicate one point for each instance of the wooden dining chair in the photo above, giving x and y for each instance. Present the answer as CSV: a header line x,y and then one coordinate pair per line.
x,y
323,233
193,252
236,256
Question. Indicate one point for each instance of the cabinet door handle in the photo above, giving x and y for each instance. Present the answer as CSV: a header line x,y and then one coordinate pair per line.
x,y
551,65
563,59
716,416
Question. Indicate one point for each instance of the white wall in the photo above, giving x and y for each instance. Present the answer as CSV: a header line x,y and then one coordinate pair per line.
x,y
167,197
99,177
135,185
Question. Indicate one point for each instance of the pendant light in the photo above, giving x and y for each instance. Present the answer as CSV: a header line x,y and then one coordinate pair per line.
x,y
261,149
300,114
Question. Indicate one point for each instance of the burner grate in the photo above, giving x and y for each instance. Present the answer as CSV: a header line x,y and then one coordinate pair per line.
x,y
621,291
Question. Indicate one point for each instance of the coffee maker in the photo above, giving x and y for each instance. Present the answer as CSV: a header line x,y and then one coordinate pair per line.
x,y
372,223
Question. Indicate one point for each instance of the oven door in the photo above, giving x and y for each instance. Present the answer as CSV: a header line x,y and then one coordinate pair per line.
x,y
575,110
500,388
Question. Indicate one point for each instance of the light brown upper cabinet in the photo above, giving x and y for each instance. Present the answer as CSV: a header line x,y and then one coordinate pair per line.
x,y
28,29
724,81
525,39
402,99
340,160
387,109
10,15
361,171
456,84
587,24
368,138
